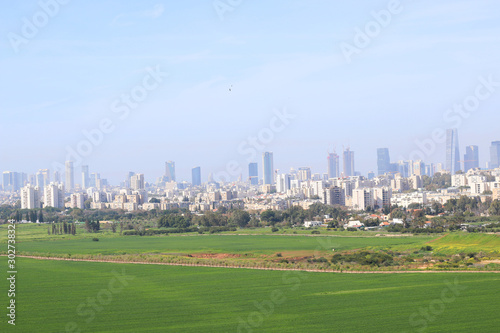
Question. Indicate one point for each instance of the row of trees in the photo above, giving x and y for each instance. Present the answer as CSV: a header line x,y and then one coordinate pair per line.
x,y
62,228
31,215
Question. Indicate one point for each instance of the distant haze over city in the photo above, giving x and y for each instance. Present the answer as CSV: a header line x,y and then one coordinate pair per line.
x,y
130,85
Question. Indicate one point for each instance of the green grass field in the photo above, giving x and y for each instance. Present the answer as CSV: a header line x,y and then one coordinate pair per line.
x,y
460,242
51,294
257,244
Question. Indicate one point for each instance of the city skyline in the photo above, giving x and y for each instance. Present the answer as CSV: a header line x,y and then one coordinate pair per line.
x,y
382,162
399,89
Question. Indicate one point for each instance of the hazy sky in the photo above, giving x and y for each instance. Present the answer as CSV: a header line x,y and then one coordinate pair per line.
x,y
229,70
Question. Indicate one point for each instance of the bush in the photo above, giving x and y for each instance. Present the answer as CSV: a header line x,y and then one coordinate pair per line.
x,y
315,232
95,239
279,255
426,248
274,229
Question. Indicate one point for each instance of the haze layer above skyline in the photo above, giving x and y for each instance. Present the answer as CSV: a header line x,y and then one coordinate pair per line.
x,y
229,70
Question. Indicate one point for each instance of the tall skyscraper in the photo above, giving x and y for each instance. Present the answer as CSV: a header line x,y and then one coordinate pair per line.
x,y
333,165
348,162
268,168
42,178
452,151
170,171
70,176
495,155
85,177
137,182
196,176
57,177
383,161
471,158
253,173
304,173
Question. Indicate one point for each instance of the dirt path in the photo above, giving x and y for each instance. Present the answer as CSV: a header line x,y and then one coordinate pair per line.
x,y
259,268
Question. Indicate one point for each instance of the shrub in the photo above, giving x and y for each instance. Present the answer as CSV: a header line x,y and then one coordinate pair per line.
x,y
315,232
426,248
95,239
274,229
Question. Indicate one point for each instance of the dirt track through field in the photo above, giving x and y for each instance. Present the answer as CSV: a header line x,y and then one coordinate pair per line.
x,y
244,267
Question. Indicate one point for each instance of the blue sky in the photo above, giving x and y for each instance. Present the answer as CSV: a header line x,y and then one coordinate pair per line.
x,y
271,54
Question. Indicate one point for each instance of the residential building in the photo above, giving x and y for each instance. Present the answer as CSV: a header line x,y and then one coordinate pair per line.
x,y
30,197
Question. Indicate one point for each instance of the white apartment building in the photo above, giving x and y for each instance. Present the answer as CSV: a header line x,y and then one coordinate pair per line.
x,y
54,195
30,197
406,199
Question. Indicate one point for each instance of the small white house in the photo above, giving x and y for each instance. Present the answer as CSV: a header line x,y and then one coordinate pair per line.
x,y
354,224
310,224
397,221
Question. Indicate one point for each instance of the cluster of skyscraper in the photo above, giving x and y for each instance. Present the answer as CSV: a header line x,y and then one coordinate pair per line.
x,y
14,181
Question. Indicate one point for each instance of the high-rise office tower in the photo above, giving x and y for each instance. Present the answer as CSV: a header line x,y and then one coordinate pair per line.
x,y
170,171
42,178
452,151
268,168
495,155
348,162
383,161
137,182
253,173
196,176
85,177
333,165
304,173
13,181
70,176
57,177
471,158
